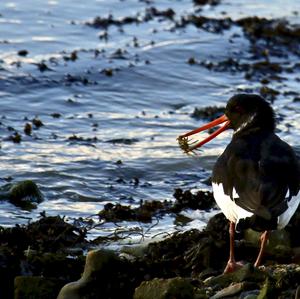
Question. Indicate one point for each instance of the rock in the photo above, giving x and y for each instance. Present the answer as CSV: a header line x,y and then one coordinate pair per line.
x,y
246,273
25,194
36,287
229,291
100,279
249,294
277,237
178,287
268,291
23,52
285,276
278,245
202,200
208,113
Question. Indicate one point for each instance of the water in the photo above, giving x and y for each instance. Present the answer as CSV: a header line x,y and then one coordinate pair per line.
x,y
133,116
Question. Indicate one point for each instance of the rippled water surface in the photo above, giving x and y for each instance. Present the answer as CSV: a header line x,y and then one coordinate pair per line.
x,y
103,132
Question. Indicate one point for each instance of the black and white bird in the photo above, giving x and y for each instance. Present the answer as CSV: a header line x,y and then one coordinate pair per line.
x,y
256,180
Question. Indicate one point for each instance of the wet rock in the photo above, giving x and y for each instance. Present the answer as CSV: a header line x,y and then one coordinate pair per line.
x,y
147,210
154,12
42,66
100,22
127,141
72,57
231,290
27,129
15,137
208,113
37,122
268,290
296,100
143,213
108,72
218,227
102,278
278,245
23,53
36,287
246,273
179,288
202,200
271,30
24,194
56,115
284,276
269,93
209,24
32,250
204,2
88,141
45,235
192,61
257,70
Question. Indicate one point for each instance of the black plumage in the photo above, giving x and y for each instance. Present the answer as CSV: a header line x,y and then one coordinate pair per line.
x,y
257,163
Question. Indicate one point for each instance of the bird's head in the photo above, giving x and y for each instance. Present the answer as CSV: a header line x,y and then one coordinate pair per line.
x,y
244,113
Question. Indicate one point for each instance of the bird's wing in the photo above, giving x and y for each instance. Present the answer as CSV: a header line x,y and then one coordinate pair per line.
x,y
264,187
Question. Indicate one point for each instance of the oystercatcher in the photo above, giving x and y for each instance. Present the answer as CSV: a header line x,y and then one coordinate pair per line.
x,y
256,180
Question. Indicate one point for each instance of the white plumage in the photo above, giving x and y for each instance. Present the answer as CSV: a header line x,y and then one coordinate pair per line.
x,y
234,213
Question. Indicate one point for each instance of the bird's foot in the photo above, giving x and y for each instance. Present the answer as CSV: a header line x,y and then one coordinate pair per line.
x,y
233,266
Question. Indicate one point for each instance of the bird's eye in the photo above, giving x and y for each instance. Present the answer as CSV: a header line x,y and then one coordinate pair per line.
x,y
238,109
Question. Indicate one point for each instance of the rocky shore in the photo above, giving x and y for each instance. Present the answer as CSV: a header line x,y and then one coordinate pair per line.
x,y
51,258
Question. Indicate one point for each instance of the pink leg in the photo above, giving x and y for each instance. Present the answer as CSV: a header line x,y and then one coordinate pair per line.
x,y
232,265
263,239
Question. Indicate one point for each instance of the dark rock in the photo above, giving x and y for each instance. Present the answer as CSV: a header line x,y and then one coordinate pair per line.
x,y
25,250
16,137
72,57
179,288
37,122
108,72
42,66
208,24
56,115
204,2
154,12
46,235
36,287
192,60
233,289
23,53
27,129
284,276
143,213
105,276
246,273
127,141
24,194
278,246
268,290
272,30
202,200
208,113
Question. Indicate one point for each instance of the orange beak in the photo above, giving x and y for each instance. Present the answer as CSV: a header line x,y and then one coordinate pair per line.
x,y
183,139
